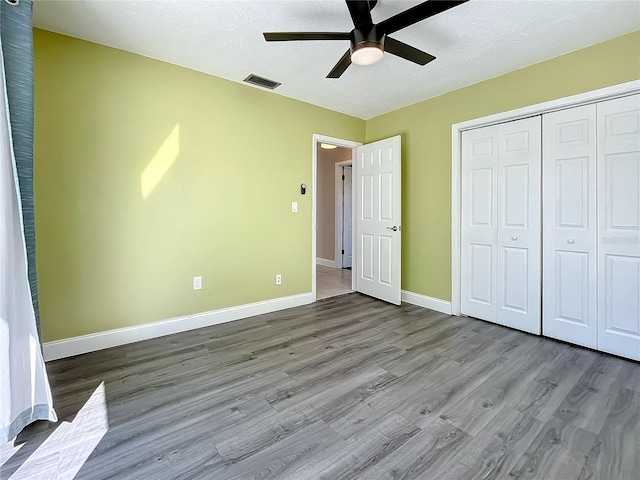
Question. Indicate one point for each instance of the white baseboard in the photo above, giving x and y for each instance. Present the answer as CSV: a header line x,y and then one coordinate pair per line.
x,y
325,263
121,336
427,302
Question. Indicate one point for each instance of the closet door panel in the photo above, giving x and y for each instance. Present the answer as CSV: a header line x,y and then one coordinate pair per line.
x,y
619,226
479,217
569,226
518,260
500,257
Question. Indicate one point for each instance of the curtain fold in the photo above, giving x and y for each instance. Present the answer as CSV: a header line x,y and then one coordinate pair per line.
x,y
17,37
25,395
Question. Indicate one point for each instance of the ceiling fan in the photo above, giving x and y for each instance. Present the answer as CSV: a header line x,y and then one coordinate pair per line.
x,y
369,41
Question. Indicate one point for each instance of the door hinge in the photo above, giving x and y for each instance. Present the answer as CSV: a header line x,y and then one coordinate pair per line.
x,y
343,177
343,252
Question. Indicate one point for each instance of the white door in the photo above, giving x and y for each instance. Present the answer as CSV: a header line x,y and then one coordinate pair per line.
x,y
569,225
500,255
479,232
378,215
519,165
347,228
619,226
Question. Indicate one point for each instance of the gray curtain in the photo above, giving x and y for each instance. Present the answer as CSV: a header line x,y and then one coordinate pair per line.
x,y
25,394
17,46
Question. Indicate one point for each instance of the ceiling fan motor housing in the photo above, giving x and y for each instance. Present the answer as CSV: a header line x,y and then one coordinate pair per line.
x,y
366,38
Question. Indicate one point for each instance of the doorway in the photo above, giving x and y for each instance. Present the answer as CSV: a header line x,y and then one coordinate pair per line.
x,y
376,197
333,215
344,215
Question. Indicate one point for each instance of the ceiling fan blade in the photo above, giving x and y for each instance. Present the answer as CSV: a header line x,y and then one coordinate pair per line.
x,y
341,66
289,36
360,11
407,52
416,14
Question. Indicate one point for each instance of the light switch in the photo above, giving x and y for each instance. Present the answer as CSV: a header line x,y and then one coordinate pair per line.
x,y
294,207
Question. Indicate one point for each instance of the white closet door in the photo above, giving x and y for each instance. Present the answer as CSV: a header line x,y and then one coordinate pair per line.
x,y
500,258
479,238
518,259
569,225
619,226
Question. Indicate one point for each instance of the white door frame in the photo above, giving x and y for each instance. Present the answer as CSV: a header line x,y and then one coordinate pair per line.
x,y
338,215
607,93
317,139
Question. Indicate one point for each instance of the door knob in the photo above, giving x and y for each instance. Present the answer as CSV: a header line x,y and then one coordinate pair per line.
x,y
394,228
571,240
515,237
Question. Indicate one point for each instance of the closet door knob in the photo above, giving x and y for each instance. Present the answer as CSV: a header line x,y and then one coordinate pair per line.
x,y
514,238
571,240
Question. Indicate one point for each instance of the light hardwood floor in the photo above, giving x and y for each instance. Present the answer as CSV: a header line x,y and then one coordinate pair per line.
x,y
331,282
346,388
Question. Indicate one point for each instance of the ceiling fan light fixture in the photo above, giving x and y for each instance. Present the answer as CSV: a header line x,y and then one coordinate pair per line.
x,y
370,40
367,53
367,46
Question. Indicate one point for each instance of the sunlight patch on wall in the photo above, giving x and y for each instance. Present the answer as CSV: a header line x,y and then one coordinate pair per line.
x,y
62,455
160,163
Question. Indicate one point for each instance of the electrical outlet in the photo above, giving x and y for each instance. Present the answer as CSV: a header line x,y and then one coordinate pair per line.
x,y
278,279
197,283
294,207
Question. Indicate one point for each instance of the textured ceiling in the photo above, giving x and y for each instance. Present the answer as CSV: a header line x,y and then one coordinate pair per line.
x,y
472,42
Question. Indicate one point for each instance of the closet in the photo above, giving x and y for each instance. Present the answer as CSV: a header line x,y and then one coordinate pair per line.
x,y
550,225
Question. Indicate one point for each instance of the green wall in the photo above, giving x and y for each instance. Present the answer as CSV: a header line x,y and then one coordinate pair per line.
x,y
426,144
147,174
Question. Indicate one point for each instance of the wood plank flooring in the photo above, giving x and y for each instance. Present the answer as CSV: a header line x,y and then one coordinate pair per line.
x,y
347,388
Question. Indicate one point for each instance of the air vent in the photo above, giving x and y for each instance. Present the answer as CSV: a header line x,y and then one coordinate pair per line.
x,y
261,82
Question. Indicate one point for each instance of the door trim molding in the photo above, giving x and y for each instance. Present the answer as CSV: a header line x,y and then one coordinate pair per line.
x,y
607,93
339,191
316,139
